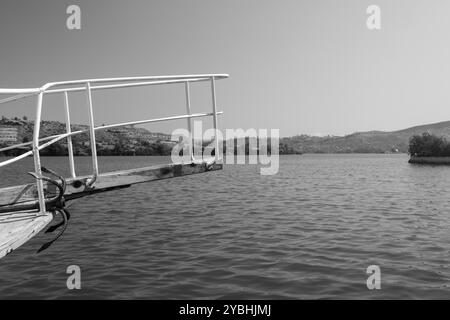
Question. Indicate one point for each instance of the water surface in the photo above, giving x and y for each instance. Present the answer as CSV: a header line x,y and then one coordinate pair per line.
x,y
308,232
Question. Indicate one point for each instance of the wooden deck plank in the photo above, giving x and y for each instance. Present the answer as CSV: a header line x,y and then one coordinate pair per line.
x,y
19,227
107,181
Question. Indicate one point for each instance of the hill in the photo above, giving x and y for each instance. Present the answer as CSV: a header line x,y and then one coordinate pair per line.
x,y
127,140
366,142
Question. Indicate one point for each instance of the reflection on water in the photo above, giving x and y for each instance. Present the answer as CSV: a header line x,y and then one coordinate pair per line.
x,y
308,232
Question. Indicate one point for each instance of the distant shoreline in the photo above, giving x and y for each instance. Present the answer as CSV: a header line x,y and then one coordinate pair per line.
x,y
166,155
430,160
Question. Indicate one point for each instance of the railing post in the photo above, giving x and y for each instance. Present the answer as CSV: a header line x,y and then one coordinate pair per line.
x,y
36,156
213,94
69,138
92,135
189,122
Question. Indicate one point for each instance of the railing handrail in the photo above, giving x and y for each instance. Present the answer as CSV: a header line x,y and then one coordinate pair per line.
x,y
217,76
181,78
101,83
20,91
150,80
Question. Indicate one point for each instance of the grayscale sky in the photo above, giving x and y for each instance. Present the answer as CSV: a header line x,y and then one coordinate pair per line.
x,y
301,66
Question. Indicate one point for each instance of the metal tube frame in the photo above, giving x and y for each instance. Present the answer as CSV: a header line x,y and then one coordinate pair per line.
x,y
36,155
92,135
126,82
216,128
189,122
69,138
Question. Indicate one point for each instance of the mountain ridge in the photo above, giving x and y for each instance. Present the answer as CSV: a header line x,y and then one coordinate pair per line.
x,y
373,141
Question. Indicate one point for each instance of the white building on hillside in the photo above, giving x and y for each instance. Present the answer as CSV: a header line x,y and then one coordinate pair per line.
x,y
8,134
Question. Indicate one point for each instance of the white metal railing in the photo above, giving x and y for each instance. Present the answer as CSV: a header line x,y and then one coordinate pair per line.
x,y
89,85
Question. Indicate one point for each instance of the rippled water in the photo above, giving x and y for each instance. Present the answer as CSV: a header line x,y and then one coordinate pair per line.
x,y
308,232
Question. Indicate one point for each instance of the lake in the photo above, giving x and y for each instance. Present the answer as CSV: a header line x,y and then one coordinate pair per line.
x,y
308,232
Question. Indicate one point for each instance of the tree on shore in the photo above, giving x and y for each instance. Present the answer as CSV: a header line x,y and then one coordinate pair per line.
x,y
428,145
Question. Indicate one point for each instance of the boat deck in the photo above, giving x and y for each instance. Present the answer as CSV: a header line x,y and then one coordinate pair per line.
x,y
26,209
16,228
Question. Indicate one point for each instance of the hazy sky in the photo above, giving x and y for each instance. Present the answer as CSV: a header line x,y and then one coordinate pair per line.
x,y
301,66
